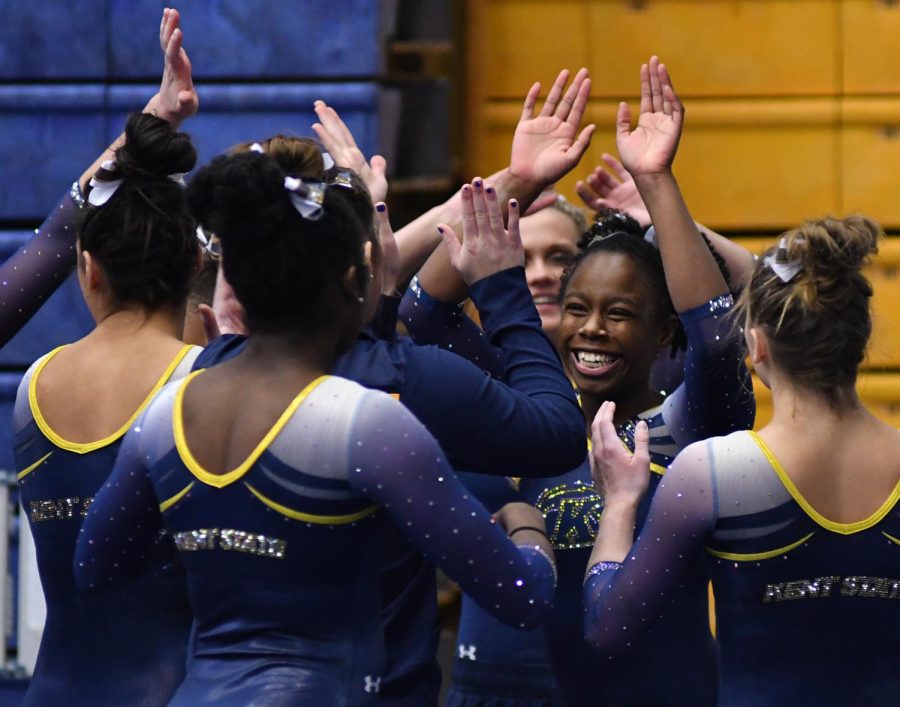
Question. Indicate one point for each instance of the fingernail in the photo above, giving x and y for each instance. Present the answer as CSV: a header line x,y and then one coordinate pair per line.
x,y
477,183
514,204
379,207
466,188
489,190
440,230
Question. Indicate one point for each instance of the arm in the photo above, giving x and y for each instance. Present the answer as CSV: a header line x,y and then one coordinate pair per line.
x,y
40,266
176,99
406,473
627,585
647,152
121,535
602,190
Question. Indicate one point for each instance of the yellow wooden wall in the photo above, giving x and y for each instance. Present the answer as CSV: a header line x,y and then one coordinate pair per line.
x,y
793,111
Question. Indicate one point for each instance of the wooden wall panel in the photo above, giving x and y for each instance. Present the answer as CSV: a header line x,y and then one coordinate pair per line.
x,y
871,53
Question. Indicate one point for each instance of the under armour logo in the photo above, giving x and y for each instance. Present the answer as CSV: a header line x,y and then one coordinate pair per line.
x,y
373,685
467,653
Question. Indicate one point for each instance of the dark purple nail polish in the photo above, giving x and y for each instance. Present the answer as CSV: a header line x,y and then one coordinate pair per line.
x,y
489,190
477,183
380,208
514,203
440,230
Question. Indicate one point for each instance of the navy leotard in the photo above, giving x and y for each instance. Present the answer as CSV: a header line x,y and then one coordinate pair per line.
x,y
807,609
115,648
284,554
31,274
715,395
529,423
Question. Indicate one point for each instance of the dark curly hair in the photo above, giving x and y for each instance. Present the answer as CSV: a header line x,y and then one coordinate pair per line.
x,y
614,231
279,263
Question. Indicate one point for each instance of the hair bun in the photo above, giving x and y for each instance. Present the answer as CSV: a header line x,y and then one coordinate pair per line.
x,y
833,247
153,149
240,189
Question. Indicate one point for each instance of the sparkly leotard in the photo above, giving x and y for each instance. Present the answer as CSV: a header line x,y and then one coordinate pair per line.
x,y
530,425
807,609
284,554
31,274
115,648
714,397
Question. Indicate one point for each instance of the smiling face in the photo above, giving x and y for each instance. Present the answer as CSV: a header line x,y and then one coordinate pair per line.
x,y
549,238
611,330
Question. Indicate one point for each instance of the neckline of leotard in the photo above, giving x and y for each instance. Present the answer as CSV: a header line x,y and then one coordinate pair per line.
x,y
646,415
85,447
229,477
834,526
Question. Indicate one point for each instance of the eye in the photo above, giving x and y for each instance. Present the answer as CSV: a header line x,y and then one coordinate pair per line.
x,y
618,314
575,308
561,259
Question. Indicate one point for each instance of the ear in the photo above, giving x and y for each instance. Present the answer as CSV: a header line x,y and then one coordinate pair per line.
x,y
667,331
353,286
93,273
758,346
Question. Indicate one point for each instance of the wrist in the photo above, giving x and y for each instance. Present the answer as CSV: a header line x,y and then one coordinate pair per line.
x,y
621,504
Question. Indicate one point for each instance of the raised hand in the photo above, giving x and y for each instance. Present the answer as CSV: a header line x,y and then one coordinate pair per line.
x,y
488,247
602,190
338,140
548,146
177,100
390,252
620,476
650,148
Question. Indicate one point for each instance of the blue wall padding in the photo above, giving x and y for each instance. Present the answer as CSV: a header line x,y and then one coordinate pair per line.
x,y
63,318
54,39
245,39
48,136
230,114
9,383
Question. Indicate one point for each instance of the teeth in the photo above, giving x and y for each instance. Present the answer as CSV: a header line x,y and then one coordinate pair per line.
x,y
594,360
545,300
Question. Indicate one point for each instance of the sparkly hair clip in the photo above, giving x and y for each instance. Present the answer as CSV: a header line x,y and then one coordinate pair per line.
x,y
785,269
107,180
309,197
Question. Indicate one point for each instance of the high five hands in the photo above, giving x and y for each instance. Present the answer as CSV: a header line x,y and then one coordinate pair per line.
x,y
650,148
177,99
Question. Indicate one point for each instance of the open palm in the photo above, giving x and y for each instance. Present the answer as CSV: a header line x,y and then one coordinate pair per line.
x,y
548,146
650,148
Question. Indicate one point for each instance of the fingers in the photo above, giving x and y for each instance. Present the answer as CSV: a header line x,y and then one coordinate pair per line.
x,y
676,109
641,444
546,198
646,98
603,431
655,87
580,146
210,325
173,48
470,225
602,182
512,227
531,101
451,243
555,93
571,96
383,223
586,193
616,166
378,165
495,216
482,220
623,120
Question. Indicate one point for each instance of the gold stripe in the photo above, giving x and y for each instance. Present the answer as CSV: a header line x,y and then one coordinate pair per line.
x,y
28,469
751,557
310,518
169,502
85,447
222,480
891,538
842,528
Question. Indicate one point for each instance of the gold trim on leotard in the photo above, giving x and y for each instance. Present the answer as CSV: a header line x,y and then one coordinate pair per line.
x,y
28,469
755,556
169,502
85,447
833,526
894,540
310,517
222,480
